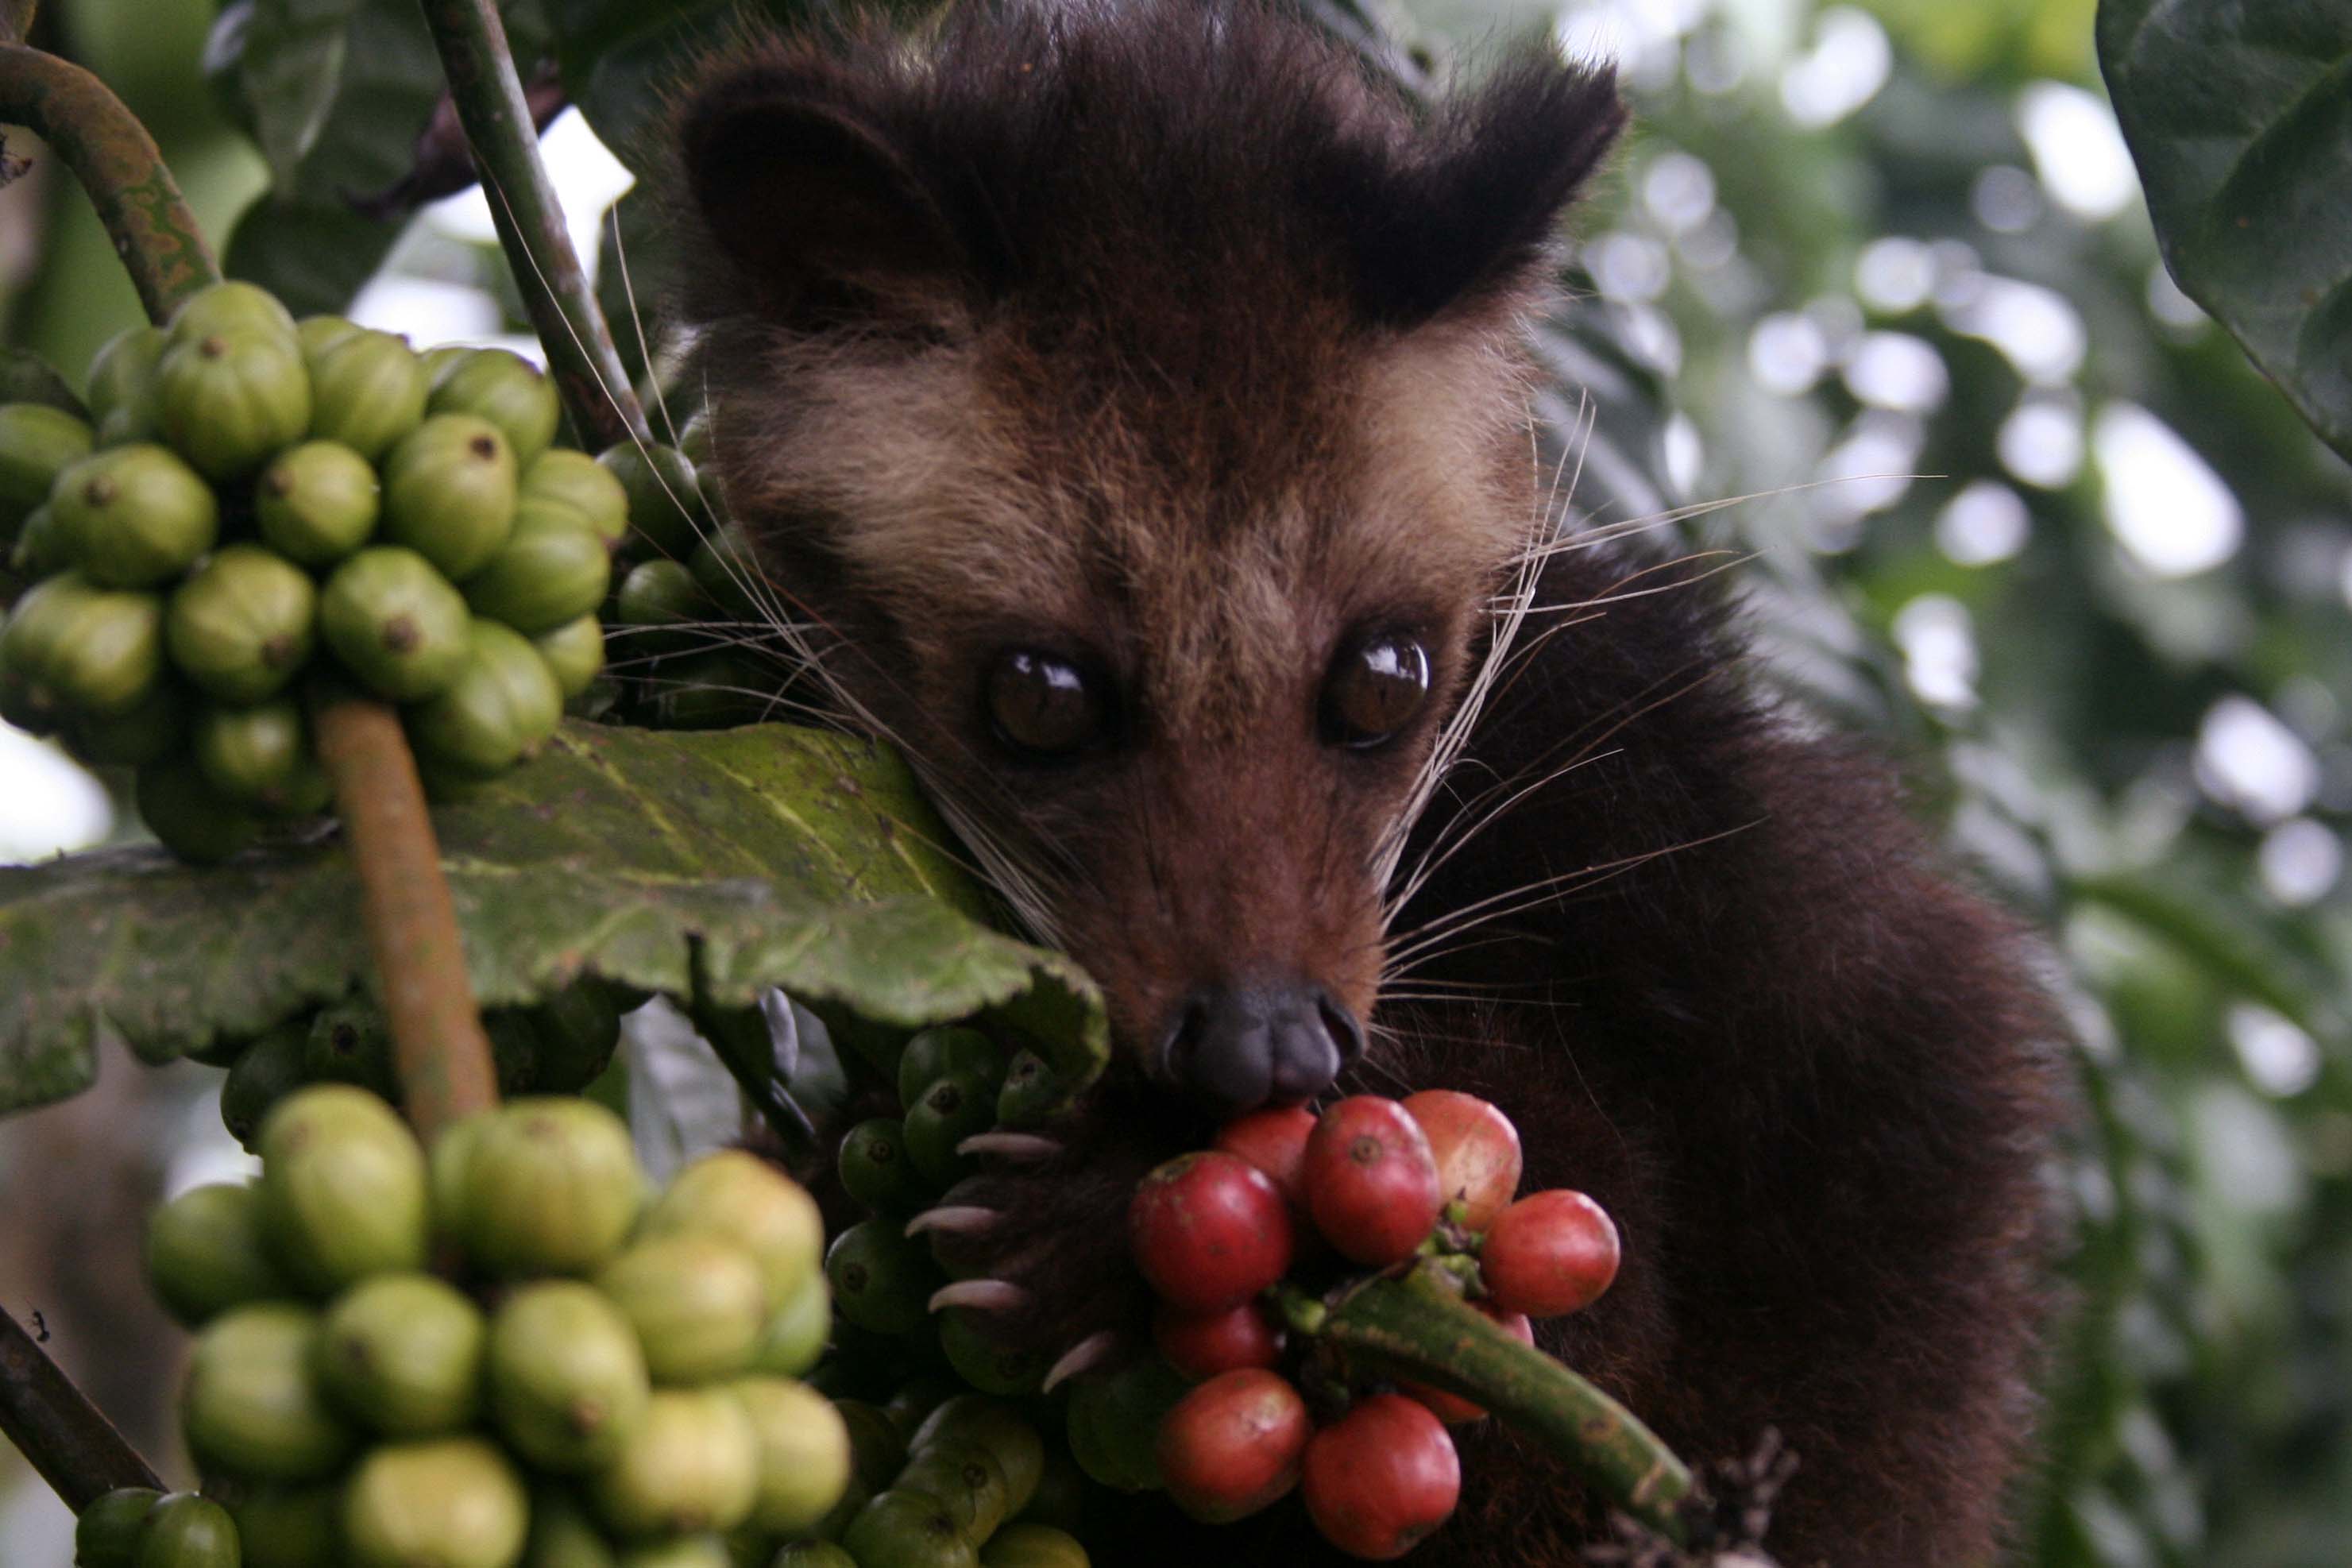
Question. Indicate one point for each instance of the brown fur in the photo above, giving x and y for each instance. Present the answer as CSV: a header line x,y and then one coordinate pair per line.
x,y
1160,337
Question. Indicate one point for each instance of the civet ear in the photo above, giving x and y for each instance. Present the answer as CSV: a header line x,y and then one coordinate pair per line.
x,y
810,213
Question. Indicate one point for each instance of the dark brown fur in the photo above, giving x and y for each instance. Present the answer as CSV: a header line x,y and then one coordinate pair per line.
x,y
1164,335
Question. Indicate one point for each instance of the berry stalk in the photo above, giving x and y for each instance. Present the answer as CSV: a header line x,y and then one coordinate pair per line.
x,y
117,163
68,1440
503,136
440,1054
1416,1328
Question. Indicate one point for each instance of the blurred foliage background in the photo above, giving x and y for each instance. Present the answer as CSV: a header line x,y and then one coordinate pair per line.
x,y
1871,293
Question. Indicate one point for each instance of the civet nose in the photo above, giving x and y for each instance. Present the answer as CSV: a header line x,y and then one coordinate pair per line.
x,y
1239,1046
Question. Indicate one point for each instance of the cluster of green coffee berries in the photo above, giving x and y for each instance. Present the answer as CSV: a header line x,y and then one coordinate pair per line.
x,y
960,1482
693,615
953,1083
596,1376
559,1045
260,500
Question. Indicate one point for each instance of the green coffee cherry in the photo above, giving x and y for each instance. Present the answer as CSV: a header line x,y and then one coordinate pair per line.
x,y
693,440
367,391
1033,1546
240,628
551,569
696,1303
728,570
668,511
1032,1090
876,1447
233,307
952,1109
660,601
908,1530
705,1551
551,1187
563,1536
79,650
966,1479
317,502
882,1281
204,1253
184,1530
715,692
109,657
500,708
877,1170
987,1366
449,492
106,1533
122,385
793,1340
692,1464
228,400
289,1526
574,653
803,1452
933,1054
146,733
343,1188
1114,1420
135,516
37,443
317,334
506,389
578,481
43,547
993,1426
261,757
396,623
514,1048
578,1028
566,1377
740,1197
264,1073
402,1354
450,1503
252,1404
350,1042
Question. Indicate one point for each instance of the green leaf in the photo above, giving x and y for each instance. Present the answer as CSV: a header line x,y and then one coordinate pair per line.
x,y
2240,117
776,857
337,93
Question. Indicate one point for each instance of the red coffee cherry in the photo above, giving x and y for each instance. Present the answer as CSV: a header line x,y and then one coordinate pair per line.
x,y
1275,1140
1233,1445
1203,1344
1209,1231
1380,1478
1476,1150
1550,1253
1371,1185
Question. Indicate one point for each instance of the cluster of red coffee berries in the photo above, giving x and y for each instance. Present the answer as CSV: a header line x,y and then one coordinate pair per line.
x,y
1380,1182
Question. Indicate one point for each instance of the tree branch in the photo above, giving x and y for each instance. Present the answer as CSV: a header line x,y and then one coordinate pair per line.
x,y
68,1441
117,163
491,106
439,1051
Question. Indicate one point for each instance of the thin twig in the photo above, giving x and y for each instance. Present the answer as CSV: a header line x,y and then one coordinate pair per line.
x,y
68,1440
489,95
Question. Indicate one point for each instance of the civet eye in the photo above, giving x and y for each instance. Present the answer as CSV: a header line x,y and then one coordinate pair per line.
x,y
1045,705
1374,689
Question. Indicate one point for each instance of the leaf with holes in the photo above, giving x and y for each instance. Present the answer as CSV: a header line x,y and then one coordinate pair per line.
x,y
739,859
2240,117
